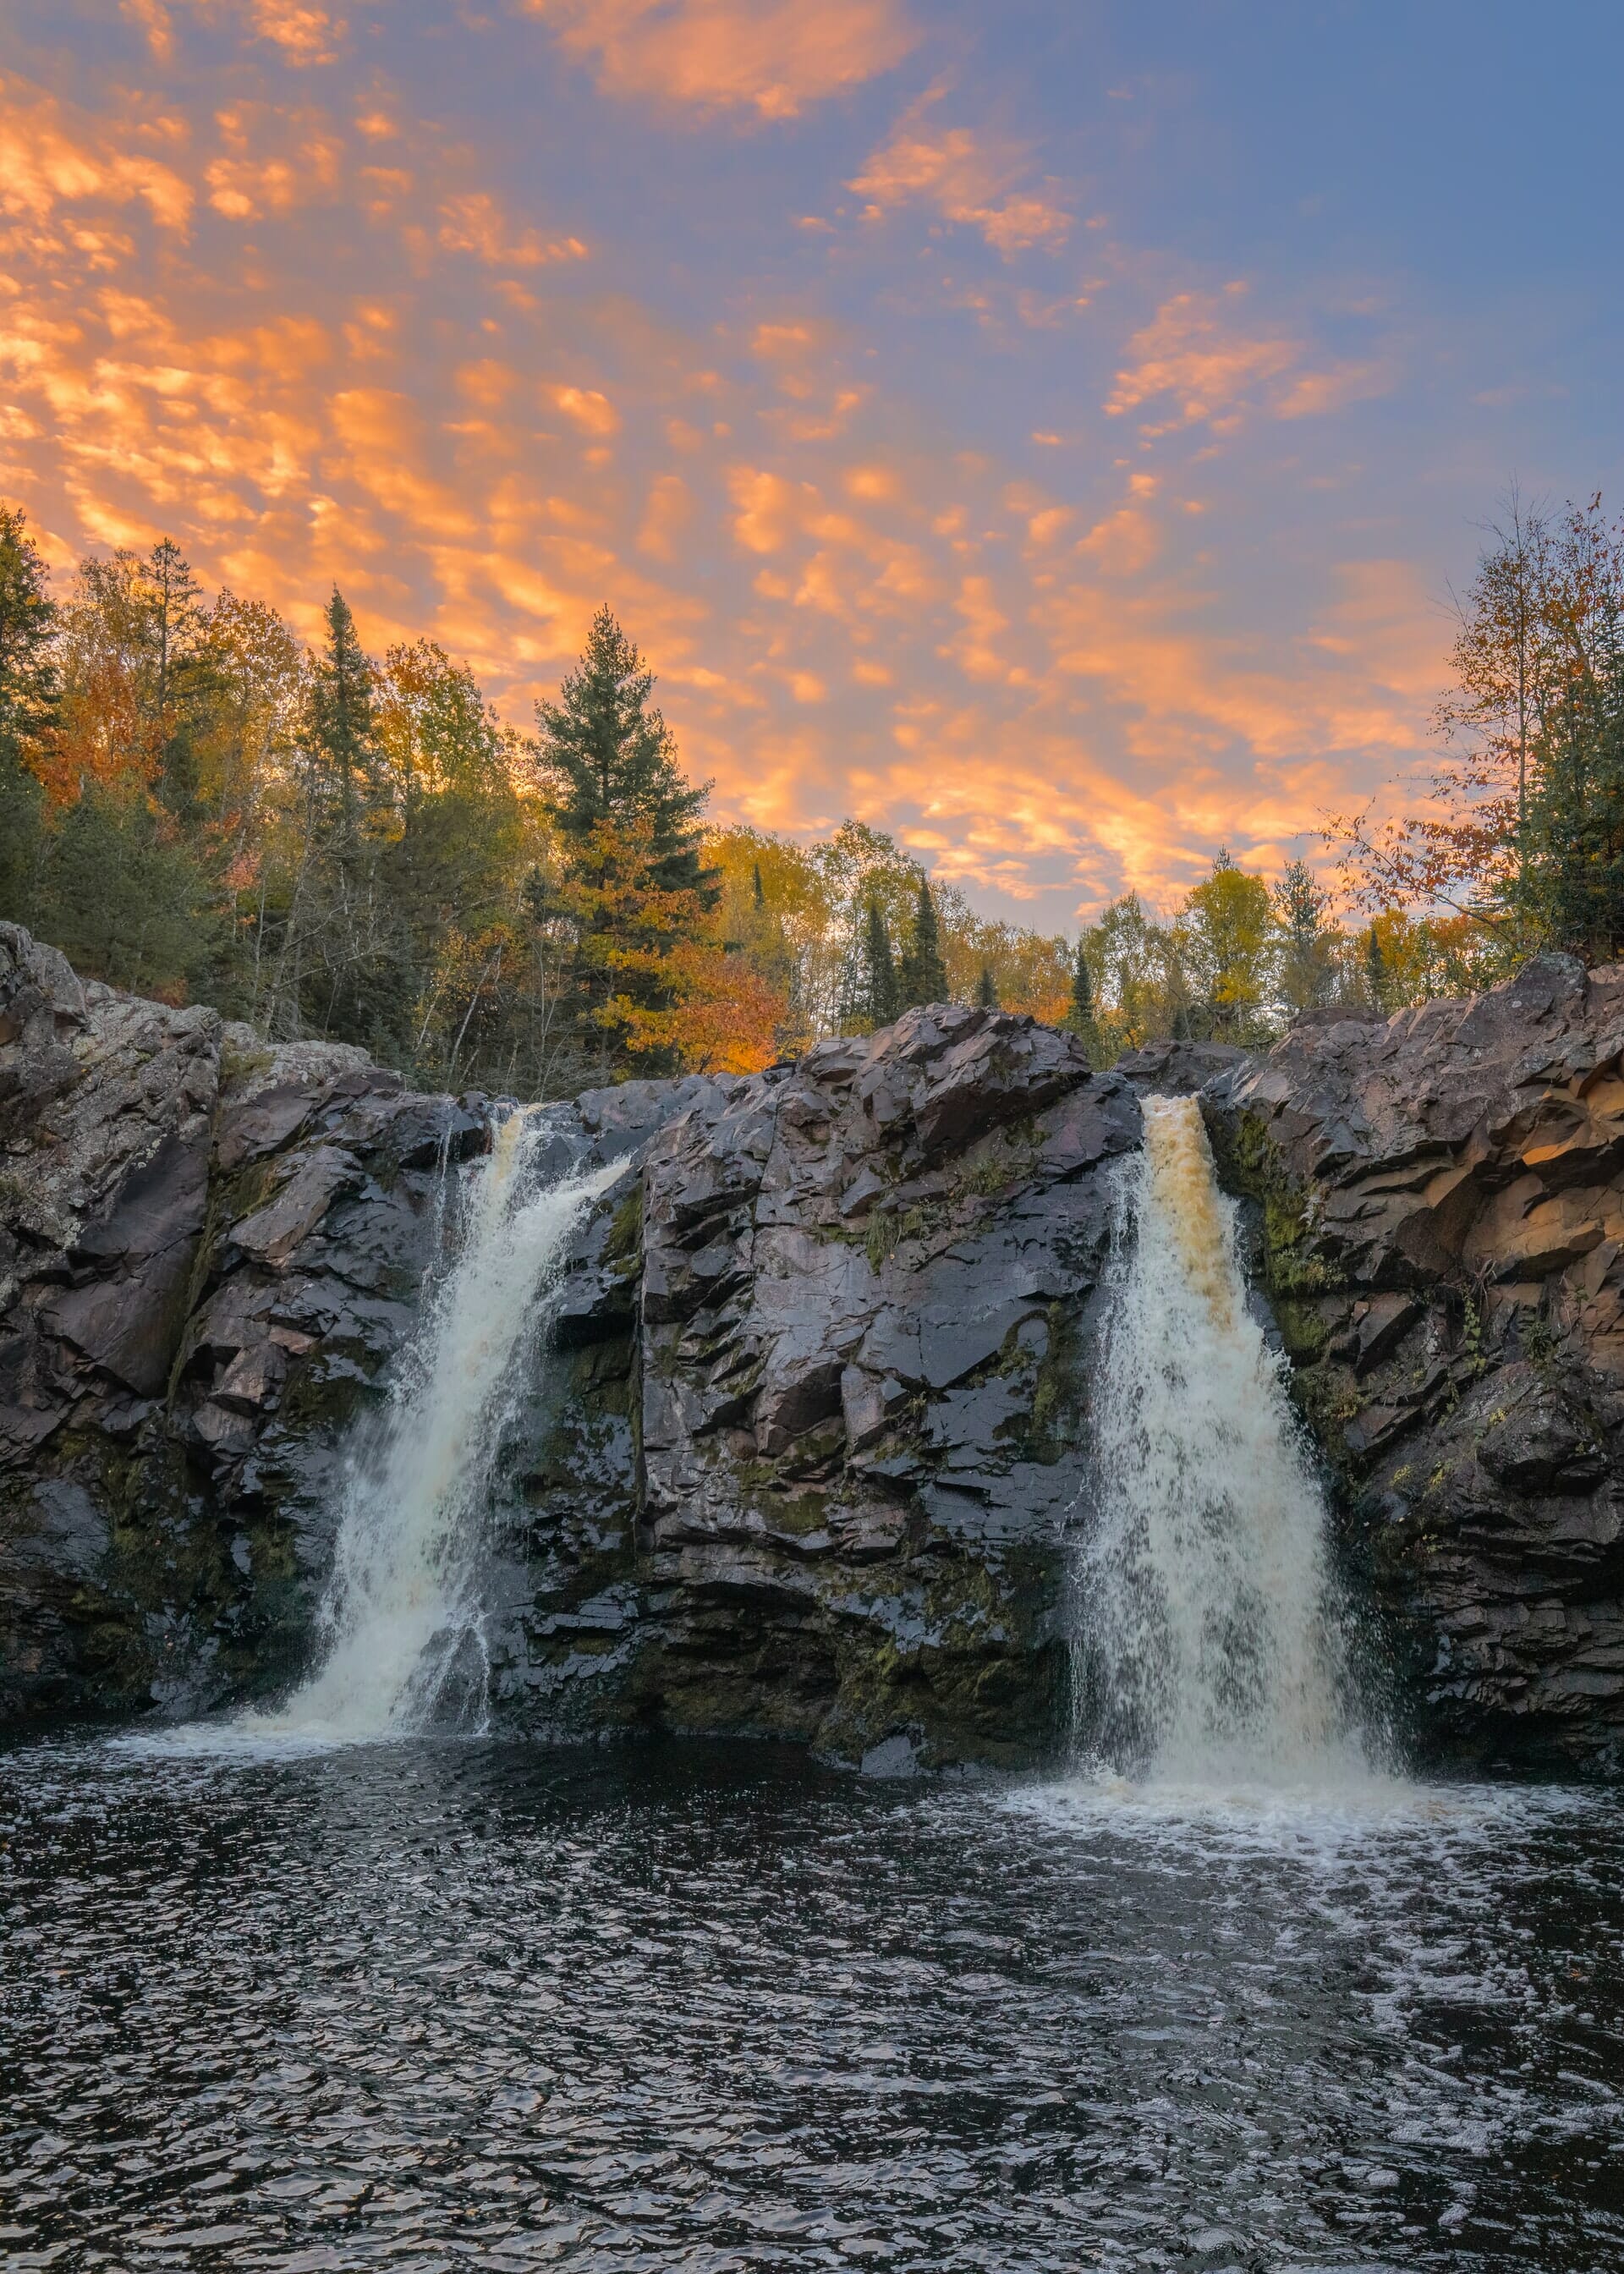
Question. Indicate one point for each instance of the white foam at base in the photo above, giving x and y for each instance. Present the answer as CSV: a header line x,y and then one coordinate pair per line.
x,y
1207,1638
402,1646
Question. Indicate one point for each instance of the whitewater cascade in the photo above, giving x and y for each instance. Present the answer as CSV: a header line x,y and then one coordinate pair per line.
x,y
401,1620
1209,1646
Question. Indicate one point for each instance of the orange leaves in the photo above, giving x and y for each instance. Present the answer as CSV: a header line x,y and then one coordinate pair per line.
x,y
685,993
722,1016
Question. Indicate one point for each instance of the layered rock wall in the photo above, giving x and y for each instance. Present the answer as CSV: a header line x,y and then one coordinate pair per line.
x,y
813,1425
827,1426
1441,1234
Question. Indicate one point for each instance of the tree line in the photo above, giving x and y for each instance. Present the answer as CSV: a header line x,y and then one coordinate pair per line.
x,y
326,843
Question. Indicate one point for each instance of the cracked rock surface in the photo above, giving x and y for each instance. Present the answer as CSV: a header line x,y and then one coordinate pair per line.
x,y
797,1463
1441,1234
813,1424
824,1435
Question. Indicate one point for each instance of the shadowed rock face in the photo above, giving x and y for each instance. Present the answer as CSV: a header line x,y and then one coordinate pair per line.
x,y
208,1251
815,1422
1441,1233
848,1336
799,1463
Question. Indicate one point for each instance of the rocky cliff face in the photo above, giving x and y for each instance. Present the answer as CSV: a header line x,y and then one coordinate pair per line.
x,y
1442,1236
806,1463
800,1464
208,1251
815,1421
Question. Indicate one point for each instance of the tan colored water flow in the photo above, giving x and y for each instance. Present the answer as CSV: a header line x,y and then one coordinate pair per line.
x,y
1208,1642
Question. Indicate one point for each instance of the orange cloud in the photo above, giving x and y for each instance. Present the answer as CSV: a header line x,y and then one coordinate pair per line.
x,y
473,223
967,178
48,158
771,56
306,36
591,411
246,183
1191,349
1196,349
665,516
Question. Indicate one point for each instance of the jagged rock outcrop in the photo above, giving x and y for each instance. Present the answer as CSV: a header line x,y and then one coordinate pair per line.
x,y
208,1250
1442,1238
800,1461
814,1424
825,1430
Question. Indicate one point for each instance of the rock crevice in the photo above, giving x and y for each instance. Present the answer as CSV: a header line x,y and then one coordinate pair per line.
x,y
1440,1210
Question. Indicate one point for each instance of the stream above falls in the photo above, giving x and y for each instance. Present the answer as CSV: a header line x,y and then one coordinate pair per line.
x,y
446,2004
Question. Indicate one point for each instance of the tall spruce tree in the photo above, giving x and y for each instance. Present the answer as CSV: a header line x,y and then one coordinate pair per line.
x,y
342,721
1307,970
1375,971
608,757
986,989
884,997
634,882
1081,1019
924,975
28,696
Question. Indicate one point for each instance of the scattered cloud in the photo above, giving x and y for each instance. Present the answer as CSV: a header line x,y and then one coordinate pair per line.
x,y
969,178
51,157
474,222
773,58
1200,350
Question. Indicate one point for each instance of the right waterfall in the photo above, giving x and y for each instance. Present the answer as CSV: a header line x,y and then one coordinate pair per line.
x,y
1209,1645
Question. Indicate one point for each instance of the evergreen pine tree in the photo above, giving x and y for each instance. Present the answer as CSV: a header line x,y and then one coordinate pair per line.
x,y
1081,1019
924,975
178,676
987,989
881,987
1306,969
28,696
341,710
758,891
609,757
629,824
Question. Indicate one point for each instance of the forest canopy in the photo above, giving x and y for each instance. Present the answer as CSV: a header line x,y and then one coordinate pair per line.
x,y
327,843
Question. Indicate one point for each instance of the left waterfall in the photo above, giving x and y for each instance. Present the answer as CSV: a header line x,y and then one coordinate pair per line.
x,y
402,1641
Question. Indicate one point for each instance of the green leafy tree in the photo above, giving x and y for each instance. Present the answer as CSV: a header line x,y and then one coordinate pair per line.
x,y
1225,941
1569,886
1307,971
922,978
29,692
124,897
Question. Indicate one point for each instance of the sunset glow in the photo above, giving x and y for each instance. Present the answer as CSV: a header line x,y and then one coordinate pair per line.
x,y
1047,436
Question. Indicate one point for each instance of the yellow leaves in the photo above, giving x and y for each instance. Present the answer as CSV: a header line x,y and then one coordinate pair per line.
x,y
722,1016
718,1011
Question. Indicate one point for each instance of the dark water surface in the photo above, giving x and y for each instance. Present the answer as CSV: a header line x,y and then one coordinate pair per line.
x,y
464,2005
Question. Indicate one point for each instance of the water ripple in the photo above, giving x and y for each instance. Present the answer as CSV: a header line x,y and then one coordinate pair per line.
x,y
709,2012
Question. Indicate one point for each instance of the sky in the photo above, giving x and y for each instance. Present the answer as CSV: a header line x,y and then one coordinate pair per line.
x,y
1049,431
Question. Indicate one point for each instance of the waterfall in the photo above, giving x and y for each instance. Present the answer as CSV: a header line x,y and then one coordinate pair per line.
x,y
1209,1645
401,1620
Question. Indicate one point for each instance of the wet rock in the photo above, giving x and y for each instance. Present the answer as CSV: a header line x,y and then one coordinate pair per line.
x,y
1441,1210
209,1250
